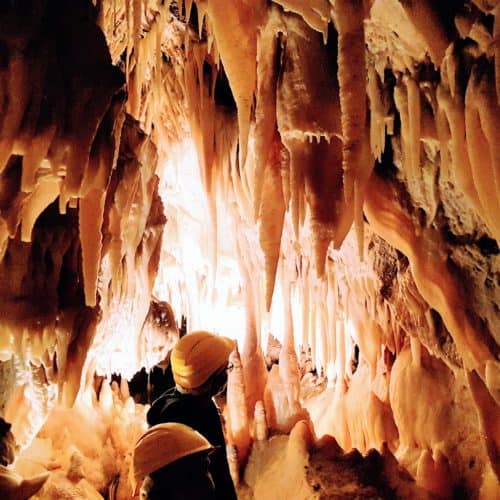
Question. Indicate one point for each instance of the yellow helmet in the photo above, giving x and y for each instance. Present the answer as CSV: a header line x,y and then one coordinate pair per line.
x,y
163,444
197,356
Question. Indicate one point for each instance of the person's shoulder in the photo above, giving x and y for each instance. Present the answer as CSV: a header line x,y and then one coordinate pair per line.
x,y
166,403
170,396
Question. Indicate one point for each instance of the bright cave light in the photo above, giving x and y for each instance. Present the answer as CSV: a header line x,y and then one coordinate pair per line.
x,y
186,276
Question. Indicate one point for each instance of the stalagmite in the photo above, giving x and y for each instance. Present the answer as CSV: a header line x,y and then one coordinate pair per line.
x,y
238,427
332,297
15,486
261,430
340,353
288,362
434,474
234,466
416,352
489,418
254,371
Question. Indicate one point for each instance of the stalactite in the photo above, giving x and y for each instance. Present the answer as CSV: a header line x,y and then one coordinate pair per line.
x,y
356,160
42,196
315,165
454,111
201,112
91,217
414,124
444,138
352,86
425,19
443,294
496,37
188,4
315,13
378,114
241,20
135,12
271,215
16,92
481,127
265,108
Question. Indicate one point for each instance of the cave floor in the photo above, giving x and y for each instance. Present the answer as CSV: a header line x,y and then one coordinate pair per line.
x,y
326,472
348,476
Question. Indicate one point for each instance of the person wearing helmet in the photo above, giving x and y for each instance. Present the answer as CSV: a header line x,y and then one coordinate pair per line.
x,y
199,365
171,461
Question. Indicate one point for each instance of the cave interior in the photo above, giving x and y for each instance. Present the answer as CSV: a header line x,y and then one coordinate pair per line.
x,y
316,179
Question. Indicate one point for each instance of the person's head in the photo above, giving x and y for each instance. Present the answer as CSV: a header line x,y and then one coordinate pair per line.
x,y
173,457
199,362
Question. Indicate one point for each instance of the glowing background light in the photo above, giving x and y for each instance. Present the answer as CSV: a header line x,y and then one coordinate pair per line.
x,y
186,277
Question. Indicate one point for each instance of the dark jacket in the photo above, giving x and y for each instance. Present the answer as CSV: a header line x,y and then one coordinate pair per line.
x,y
200,413
184,479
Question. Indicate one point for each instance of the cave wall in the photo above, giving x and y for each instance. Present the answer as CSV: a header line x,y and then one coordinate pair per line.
x,y
80,207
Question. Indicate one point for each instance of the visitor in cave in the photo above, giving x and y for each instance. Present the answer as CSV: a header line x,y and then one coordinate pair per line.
x,y
172,461
161,378
199,364
146,386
